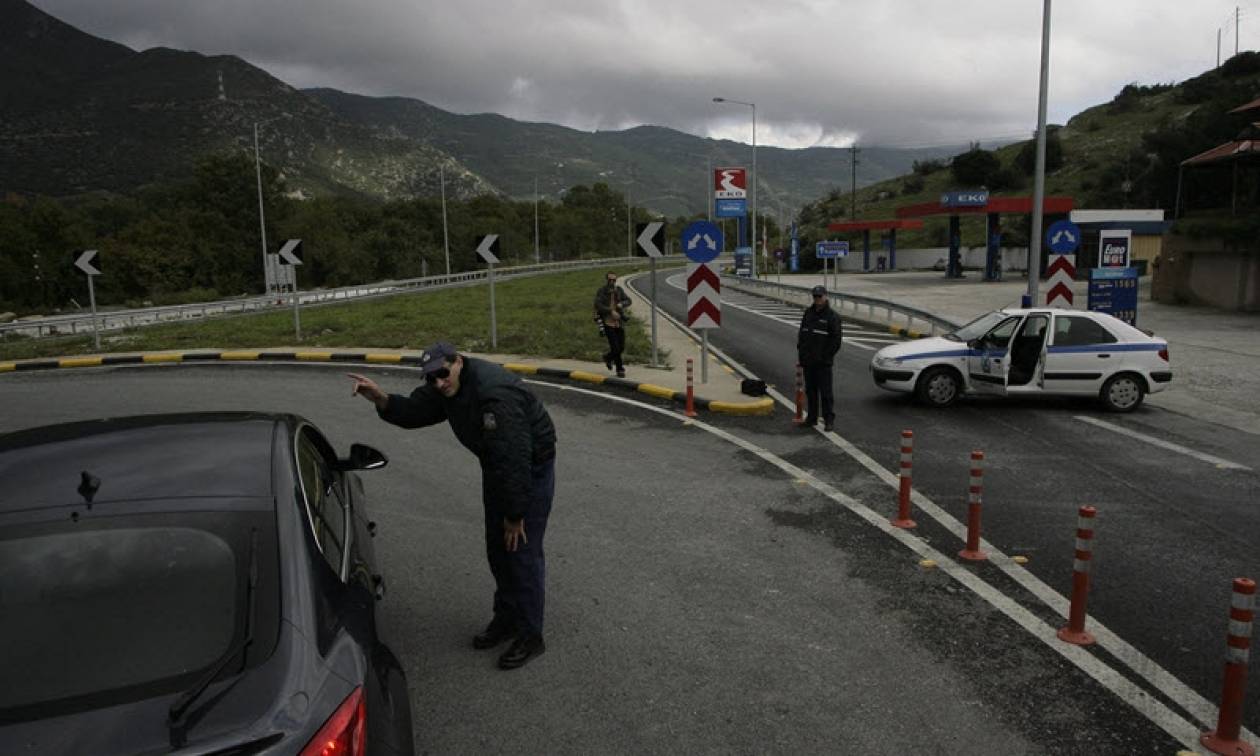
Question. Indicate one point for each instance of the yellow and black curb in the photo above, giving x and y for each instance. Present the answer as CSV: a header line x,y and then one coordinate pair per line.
x,y
763,406
906,332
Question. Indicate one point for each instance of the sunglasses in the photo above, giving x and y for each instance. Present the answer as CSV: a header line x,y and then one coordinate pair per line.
x,y
440,374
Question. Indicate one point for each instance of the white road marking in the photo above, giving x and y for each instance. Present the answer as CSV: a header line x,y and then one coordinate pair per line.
x,y
1170,446
1204,711
1149,706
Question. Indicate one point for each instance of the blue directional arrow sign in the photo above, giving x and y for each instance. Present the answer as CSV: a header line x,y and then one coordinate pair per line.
x,y
702,241
1063,237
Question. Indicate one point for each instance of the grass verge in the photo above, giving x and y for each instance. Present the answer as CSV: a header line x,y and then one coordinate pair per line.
x,y
540,316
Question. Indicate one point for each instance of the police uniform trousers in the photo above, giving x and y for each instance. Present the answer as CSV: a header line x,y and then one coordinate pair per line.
x,y
818,387
520,576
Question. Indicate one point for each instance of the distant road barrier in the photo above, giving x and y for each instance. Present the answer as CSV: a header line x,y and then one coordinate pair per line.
x,y
860,308
68,325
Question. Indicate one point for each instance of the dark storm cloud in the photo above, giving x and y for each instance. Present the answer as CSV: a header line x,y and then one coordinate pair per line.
x,y
898,72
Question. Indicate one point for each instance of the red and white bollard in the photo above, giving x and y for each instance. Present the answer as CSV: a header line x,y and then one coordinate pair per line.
x,y
691,396
1075,630
907,462
800,397
1224,739
974,491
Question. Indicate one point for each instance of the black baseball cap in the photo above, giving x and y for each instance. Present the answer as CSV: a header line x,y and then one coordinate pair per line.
x,y
820,291
434,358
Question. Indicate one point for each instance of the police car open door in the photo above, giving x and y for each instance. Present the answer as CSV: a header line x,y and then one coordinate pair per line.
x,y
988,358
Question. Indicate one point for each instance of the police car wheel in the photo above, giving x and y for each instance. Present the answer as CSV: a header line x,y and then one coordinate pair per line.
x,y
938,387
1123,392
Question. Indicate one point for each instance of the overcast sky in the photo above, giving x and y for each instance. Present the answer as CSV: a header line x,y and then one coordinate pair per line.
x,y
886,72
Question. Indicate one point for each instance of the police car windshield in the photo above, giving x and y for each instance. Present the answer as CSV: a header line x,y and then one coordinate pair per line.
x,y
976,328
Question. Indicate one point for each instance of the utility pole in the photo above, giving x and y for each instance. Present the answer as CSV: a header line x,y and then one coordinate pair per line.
x,y
1236,17
537,258
853,152
1039,180
262,222
1218,48
446,238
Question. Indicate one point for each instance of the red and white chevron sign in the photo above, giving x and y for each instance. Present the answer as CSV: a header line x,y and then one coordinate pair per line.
x,y
1060,274
704,296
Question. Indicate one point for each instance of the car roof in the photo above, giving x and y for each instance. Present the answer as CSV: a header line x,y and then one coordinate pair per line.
x,y
190,457
1125,330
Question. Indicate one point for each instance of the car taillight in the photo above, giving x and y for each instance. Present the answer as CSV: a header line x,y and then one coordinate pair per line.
x,y
1163,354
345,732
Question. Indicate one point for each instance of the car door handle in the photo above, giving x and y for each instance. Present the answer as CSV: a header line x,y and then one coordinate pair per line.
x,y
1103,356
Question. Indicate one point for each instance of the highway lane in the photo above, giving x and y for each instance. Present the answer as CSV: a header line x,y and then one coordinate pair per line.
x,y
1172,530
701,599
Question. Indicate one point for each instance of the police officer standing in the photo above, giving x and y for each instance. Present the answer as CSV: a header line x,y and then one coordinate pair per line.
x,y
496,417
816,345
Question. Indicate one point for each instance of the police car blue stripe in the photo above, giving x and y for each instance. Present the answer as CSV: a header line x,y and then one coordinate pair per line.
x,y
1107,348
927,355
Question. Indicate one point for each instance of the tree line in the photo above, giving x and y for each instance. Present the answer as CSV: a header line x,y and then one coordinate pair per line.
x,y
199,239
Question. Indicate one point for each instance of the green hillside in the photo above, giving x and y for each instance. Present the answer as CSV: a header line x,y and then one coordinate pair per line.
x,y
1124,153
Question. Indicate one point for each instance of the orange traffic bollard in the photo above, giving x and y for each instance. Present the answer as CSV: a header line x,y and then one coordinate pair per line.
x,y
1075,630
973,552
907,462
691,396
1225,738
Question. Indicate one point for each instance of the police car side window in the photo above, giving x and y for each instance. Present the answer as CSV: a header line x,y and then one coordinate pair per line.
x,y
1000,334
324,509
1074,330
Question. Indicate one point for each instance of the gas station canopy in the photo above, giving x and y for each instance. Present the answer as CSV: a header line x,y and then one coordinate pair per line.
x,y
1020,205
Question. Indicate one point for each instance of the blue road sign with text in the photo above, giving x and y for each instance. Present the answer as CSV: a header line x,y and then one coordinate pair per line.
x,y
730,208
831,249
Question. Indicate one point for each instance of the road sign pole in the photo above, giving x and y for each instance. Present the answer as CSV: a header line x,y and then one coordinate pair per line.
x,y
704,356
297,317
652,268
96,329
494,323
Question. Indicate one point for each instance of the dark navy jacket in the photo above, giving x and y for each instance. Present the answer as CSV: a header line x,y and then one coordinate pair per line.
x,y
819,337
496,417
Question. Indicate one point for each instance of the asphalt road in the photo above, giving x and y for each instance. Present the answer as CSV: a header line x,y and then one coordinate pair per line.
x,y
1172,533
707,593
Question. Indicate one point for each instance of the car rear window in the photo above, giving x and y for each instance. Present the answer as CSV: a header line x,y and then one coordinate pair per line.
x,y
109,609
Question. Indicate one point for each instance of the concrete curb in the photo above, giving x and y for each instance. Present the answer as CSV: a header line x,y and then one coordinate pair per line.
x,y
759,407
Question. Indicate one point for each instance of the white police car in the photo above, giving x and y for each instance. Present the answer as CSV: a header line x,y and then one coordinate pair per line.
x,y
1030,352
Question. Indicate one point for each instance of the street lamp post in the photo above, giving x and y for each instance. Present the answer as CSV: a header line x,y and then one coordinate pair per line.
x,y
446,237
1039,176
754,172
262,222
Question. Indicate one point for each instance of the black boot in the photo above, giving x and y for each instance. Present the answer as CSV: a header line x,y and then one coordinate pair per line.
x,y
524,648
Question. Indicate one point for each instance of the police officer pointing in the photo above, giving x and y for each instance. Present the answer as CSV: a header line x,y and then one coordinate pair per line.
x,y
816,345
496,417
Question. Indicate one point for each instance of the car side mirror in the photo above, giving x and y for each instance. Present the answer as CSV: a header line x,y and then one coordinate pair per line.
x,y
363,457
973,344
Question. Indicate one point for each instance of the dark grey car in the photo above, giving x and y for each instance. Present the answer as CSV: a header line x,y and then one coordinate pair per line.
x,y
197,583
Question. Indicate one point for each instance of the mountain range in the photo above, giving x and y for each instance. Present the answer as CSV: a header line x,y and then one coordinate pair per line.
x,y
80,114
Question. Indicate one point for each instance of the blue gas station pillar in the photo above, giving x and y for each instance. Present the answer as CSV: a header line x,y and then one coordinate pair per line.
x,y
954,268
866,250
892,249
993,232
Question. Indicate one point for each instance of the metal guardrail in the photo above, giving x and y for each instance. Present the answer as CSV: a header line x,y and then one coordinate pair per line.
x,y
894,314
67,325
